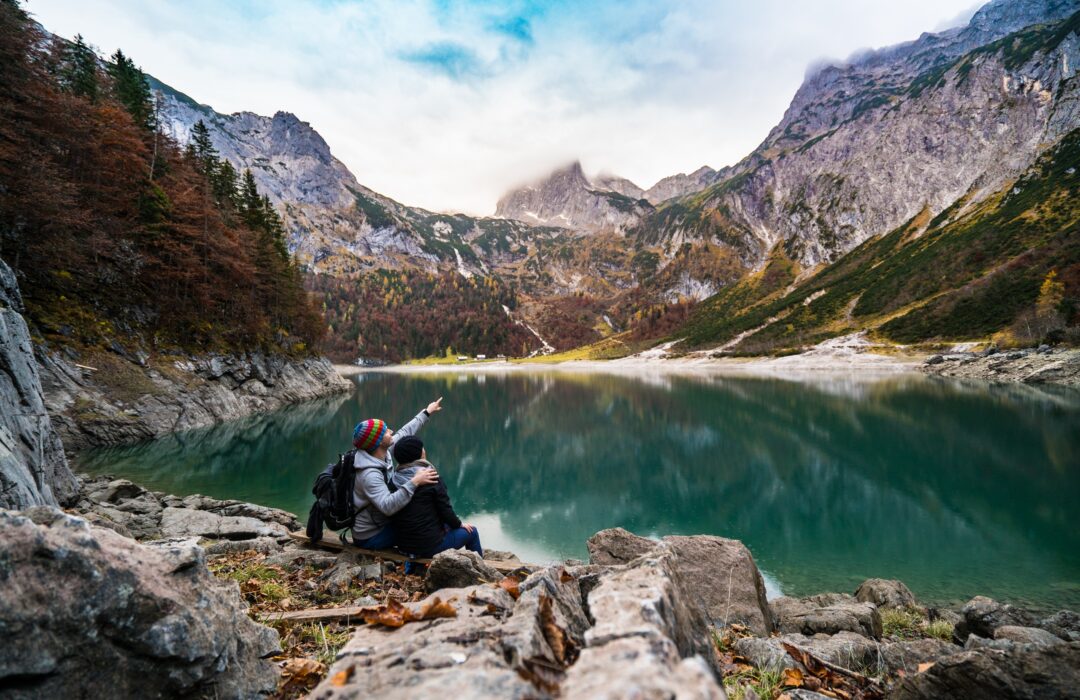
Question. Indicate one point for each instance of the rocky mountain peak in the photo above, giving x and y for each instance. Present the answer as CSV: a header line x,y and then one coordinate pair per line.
x,y
568,199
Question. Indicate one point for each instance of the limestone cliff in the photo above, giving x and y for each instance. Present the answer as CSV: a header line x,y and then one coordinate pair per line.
x,y
33,469
868,145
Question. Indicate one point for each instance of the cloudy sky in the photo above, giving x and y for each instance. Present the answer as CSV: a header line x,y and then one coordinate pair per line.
x,y
446,105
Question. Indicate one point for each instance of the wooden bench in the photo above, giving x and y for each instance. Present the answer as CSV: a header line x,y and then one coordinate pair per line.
x,y
332,541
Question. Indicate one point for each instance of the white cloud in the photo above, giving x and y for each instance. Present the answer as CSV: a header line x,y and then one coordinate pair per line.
x,y
447,104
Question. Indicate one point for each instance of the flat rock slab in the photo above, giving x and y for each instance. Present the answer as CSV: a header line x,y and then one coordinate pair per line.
x,y
182,522
826,615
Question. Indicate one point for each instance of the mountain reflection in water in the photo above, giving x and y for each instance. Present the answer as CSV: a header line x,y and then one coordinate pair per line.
x,y
957,489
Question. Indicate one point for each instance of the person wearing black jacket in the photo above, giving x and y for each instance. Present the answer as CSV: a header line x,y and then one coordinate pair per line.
x,y
428,524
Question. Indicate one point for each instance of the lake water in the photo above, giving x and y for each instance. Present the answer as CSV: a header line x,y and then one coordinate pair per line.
x,y
956,489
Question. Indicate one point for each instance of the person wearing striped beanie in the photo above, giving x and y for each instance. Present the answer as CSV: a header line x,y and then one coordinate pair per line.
x,y
374,500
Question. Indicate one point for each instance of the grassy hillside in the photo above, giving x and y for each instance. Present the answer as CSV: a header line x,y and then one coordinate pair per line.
x,y
970,273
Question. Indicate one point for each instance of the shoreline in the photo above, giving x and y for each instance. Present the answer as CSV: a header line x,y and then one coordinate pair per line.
x,y
850,356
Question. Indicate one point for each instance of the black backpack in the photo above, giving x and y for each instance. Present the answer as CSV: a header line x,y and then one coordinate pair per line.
x,y
333,497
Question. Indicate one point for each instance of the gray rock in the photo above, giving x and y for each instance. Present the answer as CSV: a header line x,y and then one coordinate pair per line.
x,y
935,360
458,568
33,467
180,522
885,593
981,616
499,555
294,557
642,640
974,641
1064,624
722,576
847,649
907,655
827,614
721,573
617,546
1021,674
1026,635
133,620
264,545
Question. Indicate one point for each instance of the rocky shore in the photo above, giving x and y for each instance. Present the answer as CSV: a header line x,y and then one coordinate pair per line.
x,y
108,399
682,617
1042,365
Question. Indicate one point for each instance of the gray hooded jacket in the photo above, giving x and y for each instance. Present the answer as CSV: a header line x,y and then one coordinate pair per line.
x,y
371,496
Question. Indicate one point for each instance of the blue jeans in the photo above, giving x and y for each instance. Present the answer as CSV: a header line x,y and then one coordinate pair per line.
x,y
383,539
456,539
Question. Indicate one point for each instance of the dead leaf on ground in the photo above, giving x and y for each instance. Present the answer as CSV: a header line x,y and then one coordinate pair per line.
x,y
302,672
342,677
926,666
394,613
512,585
793,678
561,645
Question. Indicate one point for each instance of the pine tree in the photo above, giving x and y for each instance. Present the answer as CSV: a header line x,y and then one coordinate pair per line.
x,y
275,228
132,90
202,148
225,183
251,205
78,74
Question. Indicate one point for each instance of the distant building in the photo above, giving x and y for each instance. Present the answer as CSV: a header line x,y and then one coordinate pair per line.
x,y
481,357
462,358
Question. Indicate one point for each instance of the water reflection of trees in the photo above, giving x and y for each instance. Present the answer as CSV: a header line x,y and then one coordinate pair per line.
x,y
904,477
829,482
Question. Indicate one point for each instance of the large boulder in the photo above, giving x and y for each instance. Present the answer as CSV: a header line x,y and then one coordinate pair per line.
x,y
981,616
33,468
580,632
720,573
616,546
908,655
1023,673
885,593
99,615
458,568
826,614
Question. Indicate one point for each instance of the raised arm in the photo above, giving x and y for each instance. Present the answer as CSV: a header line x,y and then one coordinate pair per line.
x,y
413,426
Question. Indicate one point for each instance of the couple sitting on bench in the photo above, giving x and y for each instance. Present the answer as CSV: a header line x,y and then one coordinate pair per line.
x,y
407,507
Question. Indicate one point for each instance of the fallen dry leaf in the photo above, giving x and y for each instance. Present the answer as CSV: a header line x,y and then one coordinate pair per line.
x,y
394,613
793,678
342,677
926,666
511,585
435,608
302,671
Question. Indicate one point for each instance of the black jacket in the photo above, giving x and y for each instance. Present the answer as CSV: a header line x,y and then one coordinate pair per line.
x,y
419,527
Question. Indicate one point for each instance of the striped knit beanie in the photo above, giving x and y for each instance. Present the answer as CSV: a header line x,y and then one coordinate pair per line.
x,y
368,434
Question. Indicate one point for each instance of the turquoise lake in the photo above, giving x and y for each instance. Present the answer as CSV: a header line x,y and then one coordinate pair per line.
x,y
957,489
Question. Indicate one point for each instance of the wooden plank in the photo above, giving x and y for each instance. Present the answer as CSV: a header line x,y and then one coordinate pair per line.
x,y
323,615
332,541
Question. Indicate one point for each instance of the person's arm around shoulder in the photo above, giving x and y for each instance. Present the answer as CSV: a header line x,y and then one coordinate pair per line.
x,y
375,489
413,426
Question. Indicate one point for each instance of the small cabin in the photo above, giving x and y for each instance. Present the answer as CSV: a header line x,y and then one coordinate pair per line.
x,y
481,357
